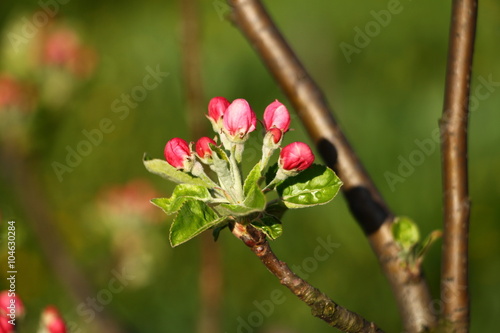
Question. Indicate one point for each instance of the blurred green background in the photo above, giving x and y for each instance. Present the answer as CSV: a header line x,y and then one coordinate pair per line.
x,y
389,95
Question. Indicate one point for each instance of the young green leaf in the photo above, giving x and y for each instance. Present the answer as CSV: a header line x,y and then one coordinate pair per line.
x,y
252,179
316,185
255,200
221,167
165,170
193,218
270,225
405,232
181,194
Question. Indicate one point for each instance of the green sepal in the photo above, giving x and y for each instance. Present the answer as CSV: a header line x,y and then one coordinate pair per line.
x,y
165,170
405,232
270,225
317,185
193,218
181,194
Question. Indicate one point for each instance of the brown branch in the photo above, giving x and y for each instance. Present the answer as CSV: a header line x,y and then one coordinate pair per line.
x,y
366,204
210,279
321,305
453,126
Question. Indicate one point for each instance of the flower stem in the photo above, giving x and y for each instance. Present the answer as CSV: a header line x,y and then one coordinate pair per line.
x,y
236,173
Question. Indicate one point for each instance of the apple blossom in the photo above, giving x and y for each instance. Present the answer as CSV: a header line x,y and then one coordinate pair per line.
x,y
239,120
216,109
276,116
52,321
295,157
178,154
203,149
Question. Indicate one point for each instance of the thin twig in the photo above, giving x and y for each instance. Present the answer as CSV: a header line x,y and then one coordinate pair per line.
x,y
210,279
366,203
321,305
453,126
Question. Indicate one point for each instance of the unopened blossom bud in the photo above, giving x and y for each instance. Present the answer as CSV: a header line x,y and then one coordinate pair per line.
x,y
296,157
5,326
239,120
178,154
276,116
203,149
52,321
216,109
11,304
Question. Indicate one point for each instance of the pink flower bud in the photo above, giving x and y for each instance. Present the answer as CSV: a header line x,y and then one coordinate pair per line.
x,y
239,120
216,109
296,156
203,147
5,326
178,154
11,304
276,116
52,320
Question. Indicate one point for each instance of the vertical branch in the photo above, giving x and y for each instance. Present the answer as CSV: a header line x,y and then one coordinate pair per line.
x,y
453,126
210,279
366,203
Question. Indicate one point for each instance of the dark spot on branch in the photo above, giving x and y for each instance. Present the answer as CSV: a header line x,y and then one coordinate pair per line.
x,y
328,152
369,213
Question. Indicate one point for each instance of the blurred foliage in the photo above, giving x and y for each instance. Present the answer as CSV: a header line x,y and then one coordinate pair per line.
x,y
388,96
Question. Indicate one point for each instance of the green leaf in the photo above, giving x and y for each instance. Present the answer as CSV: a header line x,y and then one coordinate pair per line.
x,y
270,225
254,198
276,208
193,218
217,229
165,170
221,167
316,185
252,179
181,194
405,232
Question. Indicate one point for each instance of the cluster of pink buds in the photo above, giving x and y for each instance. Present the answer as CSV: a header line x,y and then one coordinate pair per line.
x,y
233,122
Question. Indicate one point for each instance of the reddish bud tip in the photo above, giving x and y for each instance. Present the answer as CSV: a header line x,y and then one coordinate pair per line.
x,y
276,134
296,156
178,154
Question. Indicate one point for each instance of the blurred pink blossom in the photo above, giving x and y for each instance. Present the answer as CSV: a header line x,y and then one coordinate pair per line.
x,y
63,48
130,199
